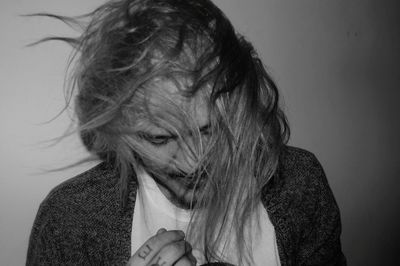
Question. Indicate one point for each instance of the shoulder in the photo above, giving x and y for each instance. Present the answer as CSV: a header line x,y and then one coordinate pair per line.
x,y
75,200
300,169
299,185
82,216
303,209
84,190
298,162
298,172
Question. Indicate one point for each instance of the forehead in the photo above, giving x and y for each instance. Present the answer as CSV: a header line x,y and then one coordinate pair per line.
x,y
165,98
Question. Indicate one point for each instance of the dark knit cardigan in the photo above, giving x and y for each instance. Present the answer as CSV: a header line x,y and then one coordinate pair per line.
x,y
81,221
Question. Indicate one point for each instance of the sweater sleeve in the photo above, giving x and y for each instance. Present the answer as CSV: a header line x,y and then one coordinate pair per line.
x,y
52,240
81,222
320,238
43,246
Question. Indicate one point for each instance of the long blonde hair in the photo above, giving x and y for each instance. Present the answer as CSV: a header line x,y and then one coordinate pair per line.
x,y
127,44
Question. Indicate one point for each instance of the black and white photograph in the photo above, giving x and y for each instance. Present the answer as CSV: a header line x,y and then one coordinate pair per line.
x,y
200,132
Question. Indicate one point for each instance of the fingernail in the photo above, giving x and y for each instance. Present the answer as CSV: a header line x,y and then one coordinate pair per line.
x,y
161,230
181,233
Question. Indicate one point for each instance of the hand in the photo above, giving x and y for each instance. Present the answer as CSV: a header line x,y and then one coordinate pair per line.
x,y
164,249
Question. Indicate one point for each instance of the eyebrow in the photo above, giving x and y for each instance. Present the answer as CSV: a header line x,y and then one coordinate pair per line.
x,y
148,134
205,127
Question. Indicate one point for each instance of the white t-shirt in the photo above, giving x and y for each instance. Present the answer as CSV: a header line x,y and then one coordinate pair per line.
x,y
154,211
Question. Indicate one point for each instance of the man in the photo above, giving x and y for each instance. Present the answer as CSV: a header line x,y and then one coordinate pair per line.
x,y
194,169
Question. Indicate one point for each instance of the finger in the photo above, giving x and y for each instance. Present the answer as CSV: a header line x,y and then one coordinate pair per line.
x,y
171,253
186,261
161,230
152,246
192,258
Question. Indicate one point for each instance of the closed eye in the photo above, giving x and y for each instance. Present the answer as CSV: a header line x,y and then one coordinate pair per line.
x,y
160,140
157,140
205,130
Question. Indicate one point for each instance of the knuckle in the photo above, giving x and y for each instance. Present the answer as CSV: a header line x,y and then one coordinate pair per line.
x,y
178,234
184,261
169,244
177,247
173,251
171,236
158,241
153,241
131,261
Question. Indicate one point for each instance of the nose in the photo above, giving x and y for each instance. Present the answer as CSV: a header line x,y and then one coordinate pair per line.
x,y
187,156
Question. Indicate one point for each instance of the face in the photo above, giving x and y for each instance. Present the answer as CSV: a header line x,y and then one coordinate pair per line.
x,y
175,157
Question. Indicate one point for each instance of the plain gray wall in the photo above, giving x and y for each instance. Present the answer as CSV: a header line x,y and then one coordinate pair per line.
x,y
336,63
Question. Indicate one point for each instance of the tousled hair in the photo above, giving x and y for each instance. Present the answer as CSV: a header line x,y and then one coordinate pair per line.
x,y
127,45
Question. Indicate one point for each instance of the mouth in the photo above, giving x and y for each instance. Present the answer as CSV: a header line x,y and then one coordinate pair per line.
x,y
191,181
182,187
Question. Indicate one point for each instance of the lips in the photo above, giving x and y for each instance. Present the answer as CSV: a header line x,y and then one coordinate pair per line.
x,y
182,188
190,181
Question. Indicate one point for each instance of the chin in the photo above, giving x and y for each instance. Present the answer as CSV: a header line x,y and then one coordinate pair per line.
x,y
186,201
180,189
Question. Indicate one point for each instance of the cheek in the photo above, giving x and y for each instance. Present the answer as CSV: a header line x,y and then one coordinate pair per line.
x,y
163,155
